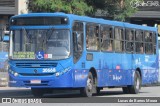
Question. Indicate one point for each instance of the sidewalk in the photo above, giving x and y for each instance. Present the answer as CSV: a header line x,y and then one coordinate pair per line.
x,y
12,88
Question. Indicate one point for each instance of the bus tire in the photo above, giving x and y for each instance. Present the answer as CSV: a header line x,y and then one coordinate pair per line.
x,y
37,92
88,90
134,89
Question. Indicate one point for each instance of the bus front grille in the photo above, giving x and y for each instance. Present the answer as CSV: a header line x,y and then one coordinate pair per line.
x,y
36,65
32,74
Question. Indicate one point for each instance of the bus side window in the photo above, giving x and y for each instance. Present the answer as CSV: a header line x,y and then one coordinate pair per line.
x,y
129,37
139,44
118,42
77,40
148,42
92,36
106,38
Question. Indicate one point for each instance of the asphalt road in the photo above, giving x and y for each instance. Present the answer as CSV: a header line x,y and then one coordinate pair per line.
x,y
73,96
151,91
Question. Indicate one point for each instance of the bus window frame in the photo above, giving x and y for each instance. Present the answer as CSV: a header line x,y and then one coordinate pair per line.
x,y
155,39
149,42
132,41
110,38
122,40
138,41
98,37
72,38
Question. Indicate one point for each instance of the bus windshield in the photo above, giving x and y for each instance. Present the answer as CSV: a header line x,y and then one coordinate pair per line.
x,y
51,44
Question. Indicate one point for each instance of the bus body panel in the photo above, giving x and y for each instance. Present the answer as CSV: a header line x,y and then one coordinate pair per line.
x,y
63,81
148,66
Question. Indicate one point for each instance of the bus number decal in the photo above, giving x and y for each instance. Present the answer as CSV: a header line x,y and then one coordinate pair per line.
x,y
49,70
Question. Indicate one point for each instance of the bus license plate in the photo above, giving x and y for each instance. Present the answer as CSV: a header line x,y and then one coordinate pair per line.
x,y
35,81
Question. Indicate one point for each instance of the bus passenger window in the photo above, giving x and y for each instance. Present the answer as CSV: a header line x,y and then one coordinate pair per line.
x,y
106,38
118,44
129,37
147,37
139,42
148,42
139,47
148,48
139,35
92,33
77,40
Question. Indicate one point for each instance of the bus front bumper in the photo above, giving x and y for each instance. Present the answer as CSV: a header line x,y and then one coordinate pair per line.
x,y
63,81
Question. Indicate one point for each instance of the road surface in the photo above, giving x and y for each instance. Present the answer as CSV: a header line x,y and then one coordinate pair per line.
x,y
74,96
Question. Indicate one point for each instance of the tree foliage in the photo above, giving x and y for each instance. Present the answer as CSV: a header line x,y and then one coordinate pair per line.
x,y
116,9
122,9
79,7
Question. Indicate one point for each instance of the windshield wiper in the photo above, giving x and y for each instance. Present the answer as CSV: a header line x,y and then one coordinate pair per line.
x,y
49,32
27,35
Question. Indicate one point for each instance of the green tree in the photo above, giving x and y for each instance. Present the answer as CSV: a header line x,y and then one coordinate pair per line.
x,y
79,7
115,9
123,9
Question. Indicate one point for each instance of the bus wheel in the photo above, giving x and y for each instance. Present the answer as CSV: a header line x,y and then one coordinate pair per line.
x,y
134,89
88,90
37,92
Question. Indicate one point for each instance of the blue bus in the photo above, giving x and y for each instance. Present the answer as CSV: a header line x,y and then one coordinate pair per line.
x,y
65,51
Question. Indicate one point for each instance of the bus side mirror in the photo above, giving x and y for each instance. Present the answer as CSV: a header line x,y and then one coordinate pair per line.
x,y
75,41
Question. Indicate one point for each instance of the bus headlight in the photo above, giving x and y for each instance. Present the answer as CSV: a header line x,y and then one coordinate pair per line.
x,y
15,74
57,74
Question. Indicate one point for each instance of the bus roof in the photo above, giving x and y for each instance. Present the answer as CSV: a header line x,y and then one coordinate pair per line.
x,y
73,17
